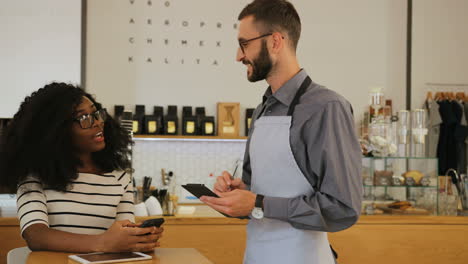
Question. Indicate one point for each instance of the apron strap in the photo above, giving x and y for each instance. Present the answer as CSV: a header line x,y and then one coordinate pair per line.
x,y
298,95
335,254
292,106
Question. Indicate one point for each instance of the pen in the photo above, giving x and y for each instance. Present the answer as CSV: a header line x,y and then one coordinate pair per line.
x,y
234,173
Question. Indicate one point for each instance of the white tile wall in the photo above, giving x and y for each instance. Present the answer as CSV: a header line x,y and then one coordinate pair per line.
x,y
191,161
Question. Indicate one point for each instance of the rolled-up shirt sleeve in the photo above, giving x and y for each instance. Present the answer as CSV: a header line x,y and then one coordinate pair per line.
x,y
334,160
31,204
126,208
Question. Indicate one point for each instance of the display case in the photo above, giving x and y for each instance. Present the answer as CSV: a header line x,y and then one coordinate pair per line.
x,y
400,185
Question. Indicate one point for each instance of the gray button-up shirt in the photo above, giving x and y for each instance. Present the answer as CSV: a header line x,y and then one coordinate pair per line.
x,y
325,145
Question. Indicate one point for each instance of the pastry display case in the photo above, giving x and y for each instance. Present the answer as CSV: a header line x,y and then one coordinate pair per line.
x,y
400,185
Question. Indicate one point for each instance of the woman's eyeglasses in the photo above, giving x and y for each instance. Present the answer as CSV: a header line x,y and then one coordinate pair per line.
x,y
87,121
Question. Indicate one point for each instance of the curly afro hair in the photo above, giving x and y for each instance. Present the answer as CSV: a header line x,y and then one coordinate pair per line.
x,y
38,140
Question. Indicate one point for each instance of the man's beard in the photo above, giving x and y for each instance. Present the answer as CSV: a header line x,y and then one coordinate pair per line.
x,y
261,66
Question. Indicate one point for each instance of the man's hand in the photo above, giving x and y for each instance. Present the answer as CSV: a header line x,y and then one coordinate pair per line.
x,y
225,183
235,203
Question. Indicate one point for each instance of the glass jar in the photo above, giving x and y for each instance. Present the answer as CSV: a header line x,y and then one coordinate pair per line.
x,y
418,132
403,135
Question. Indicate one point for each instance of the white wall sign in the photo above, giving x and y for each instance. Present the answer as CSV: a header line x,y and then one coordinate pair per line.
x,y
183,52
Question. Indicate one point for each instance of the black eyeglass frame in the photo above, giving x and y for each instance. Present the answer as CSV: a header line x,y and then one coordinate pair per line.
x,y
243,42
98,114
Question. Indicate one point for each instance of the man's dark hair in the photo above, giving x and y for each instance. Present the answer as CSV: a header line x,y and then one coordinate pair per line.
x,y
275,15
38,140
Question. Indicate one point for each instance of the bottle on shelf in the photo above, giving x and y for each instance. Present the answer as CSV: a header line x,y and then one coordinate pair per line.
x,y
138,119
158,113
208,126
387,110
171,120
200,114
248,119
118,112
189,122
151,125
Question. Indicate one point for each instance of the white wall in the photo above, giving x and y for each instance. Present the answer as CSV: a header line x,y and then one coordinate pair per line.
x,y
40,41
440,41
349,46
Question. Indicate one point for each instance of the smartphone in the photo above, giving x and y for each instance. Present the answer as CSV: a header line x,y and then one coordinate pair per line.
x,y
157,222
109,257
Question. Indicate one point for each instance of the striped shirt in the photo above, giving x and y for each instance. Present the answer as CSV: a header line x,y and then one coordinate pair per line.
x,y
91,205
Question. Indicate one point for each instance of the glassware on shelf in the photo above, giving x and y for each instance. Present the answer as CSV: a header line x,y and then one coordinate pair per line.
x,y
399,167
369,209
380,138
464,193
381,135
376,102
418,132
384,181
396,181
365,125
448,204
448,201
367,178
403,135
394,133
368,194
425,201
387,110
400,180
410,181
425,181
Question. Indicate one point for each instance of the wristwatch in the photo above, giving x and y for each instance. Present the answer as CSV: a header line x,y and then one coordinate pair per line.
x,y
257,212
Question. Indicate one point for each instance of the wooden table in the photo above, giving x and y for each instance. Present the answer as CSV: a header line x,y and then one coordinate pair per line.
x,y
160,256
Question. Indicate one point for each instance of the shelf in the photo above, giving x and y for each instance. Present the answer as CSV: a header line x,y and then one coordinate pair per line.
x,y
188,138
401,186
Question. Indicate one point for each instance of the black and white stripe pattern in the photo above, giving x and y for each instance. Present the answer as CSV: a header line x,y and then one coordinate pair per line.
x,y
92,204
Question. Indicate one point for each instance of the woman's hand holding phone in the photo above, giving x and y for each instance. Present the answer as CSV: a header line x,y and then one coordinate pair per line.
x,y
157,222
124,236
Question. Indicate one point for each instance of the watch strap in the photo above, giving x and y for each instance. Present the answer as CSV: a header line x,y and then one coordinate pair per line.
x,y
259,201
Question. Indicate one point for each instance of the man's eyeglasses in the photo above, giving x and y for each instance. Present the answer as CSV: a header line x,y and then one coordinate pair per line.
x,y
87,121
243,43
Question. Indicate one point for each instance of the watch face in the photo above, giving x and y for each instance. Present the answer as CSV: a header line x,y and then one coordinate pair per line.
x,y
257,213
